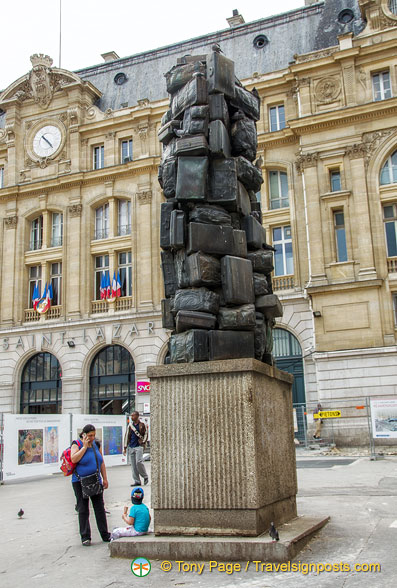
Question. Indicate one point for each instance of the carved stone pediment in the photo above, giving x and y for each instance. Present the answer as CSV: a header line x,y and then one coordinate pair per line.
x,y
40,83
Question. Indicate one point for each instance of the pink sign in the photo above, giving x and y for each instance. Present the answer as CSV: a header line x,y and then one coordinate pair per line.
x,y
143,387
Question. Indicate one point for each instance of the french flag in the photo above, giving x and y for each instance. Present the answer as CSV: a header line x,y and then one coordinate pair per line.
x,y
102,288
118,285
36,296
108,288
114,286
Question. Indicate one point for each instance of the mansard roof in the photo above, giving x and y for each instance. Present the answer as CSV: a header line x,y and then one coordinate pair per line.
x,y
303,30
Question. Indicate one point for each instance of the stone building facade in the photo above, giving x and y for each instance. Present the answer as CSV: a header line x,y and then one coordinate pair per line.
x,y
90,202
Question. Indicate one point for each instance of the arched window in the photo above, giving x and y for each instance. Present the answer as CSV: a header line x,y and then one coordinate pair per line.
x,y
41,385
112,381
287,354
393,6
285,344
388,174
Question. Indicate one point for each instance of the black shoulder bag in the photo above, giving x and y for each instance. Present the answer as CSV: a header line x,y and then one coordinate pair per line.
x,y
91,485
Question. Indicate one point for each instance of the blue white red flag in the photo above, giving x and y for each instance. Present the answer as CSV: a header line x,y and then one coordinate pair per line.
x,y
45,301
118,286
36,295
114,286
102,288
108,288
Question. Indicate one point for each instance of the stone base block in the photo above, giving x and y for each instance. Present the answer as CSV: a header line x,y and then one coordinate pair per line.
x,y
293,537
222,448
242,522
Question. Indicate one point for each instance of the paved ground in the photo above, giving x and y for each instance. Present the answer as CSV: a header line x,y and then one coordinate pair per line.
x,y
43,548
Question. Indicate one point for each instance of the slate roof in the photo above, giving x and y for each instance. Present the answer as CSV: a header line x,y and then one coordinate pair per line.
x,y
303,30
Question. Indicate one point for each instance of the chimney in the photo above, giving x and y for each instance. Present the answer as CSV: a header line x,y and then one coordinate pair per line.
x,y
236,19
110,56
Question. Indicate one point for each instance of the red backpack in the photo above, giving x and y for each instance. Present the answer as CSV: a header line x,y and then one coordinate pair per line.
x,y
67,466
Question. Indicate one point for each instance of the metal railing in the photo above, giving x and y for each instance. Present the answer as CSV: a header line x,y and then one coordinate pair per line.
x,y
349,424
124,230
35,244
56,241
101,234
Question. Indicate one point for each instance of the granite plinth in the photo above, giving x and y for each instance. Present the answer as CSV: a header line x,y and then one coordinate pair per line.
x,y
223,454
293,537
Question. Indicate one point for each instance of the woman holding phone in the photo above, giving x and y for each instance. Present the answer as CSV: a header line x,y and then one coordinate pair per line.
x,y
86,453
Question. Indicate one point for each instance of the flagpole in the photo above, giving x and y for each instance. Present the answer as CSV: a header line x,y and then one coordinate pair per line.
x,y
60,32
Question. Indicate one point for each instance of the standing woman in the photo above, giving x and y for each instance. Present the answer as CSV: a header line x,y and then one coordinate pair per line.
x,y
87,455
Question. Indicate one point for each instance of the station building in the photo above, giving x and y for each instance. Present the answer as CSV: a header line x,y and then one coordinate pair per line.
x,y
90,203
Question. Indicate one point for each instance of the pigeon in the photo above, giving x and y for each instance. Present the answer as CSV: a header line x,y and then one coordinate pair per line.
x,y
20,513
273,533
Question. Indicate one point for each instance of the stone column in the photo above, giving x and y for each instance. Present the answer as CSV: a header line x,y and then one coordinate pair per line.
x,y
307,166
73,270
144,250
223,453
365,250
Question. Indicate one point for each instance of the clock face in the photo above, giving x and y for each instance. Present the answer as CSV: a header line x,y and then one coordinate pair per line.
x,y
47,141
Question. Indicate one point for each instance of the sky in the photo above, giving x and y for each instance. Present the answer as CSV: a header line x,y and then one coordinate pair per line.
x,y
92,27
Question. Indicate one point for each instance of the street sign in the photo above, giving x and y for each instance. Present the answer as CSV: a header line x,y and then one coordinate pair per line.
x,y
328,414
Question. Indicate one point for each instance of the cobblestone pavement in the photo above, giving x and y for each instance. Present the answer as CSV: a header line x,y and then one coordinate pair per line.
x,y
43,548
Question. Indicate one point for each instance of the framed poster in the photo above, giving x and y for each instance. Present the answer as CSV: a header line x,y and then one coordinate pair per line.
x,y
384,418
33,444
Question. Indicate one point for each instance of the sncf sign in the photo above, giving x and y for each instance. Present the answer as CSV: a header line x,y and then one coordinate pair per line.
x,y
143,387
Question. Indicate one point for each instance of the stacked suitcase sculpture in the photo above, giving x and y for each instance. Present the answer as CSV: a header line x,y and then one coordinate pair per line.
x,y
216,265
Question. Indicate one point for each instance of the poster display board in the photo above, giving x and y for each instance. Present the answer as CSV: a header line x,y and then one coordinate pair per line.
x,y
33,444
110,431
384,418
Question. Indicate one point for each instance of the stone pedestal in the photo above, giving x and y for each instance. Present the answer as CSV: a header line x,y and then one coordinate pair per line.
x,y
223,454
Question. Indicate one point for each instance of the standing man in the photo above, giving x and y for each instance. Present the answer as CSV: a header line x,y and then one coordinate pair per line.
x,y
135,442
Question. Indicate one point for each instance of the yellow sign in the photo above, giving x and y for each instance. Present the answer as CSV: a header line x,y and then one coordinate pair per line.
x,y
328,414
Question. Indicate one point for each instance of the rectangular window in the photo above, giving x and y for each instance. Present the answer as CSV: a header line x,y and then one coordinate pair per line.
x,y
57,229
125,270
390,220
395,309
36,233
278,188
102,222
283,257
1,177
124,217
34,277
98,156
277,117
335,180
381,86
56,283
126,151
101,266
340,236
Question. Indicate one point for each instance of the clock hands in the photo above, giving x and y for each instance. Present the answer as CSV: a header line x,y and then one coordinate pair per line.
x,y
46,140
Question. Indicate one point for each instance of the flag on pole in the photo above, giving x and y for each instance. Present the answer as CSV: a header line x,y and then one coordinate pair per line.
x,y
45,301
118,285
36,295
108,288
102,288
114,286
